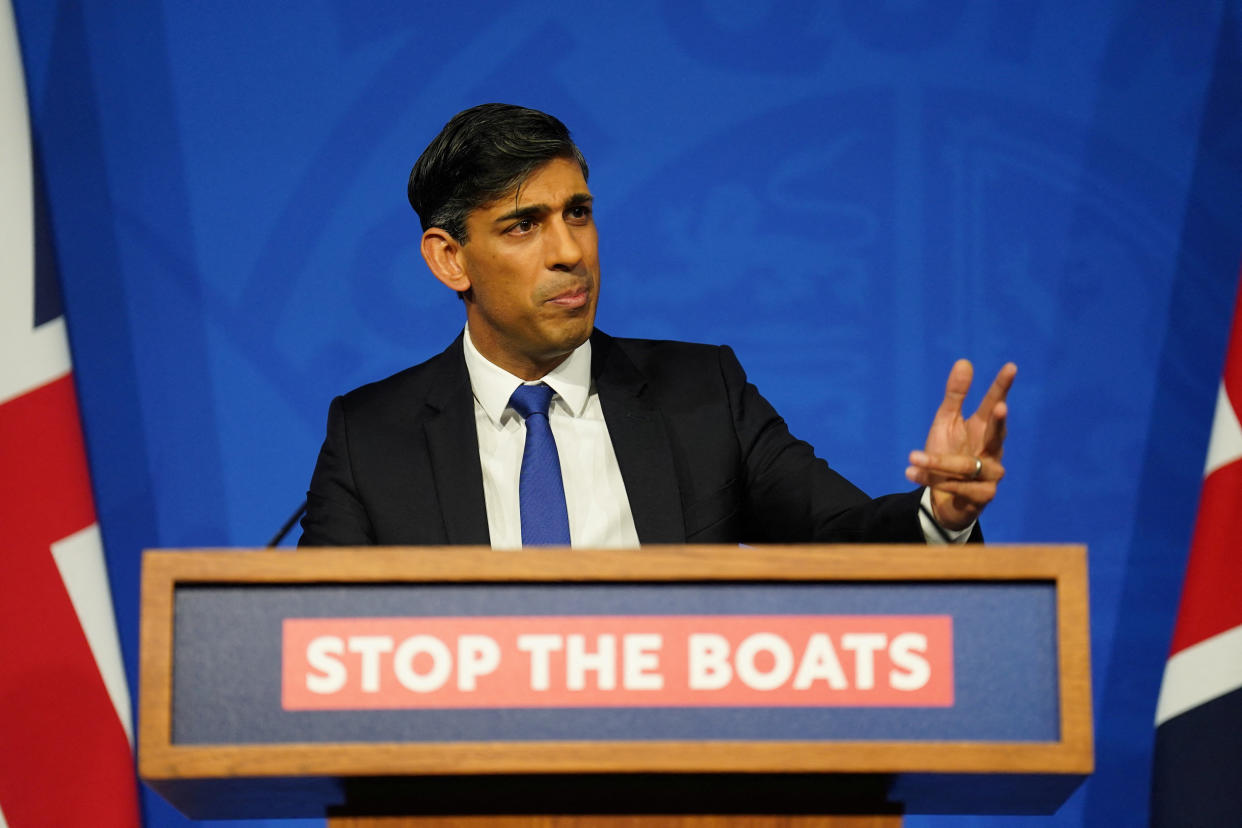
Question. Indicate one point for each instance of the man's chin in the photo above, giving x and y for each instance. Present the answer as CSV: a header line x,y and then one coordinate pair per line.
x,y
575,338
575,330
558,338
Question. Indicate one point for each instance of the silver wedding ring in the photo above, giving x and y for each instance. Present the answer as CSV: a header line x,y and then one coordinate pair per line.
x,y
978,469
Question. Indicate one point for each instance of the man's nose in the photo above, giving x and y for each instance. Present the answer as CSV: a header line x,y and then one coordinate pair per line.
x,y
563,250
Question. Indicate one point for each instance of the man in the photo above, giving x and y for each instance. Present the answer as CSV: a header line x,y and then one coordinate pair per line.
x,y
651,442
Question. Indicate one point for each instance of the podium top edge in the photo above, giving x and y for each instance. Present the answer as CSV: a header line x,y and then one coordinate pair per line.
x,y
881,562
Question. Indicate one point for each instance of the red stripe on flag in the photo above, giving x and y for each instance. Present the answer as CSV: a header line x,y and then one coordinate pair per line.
x,y
1212,593
44,487
64,758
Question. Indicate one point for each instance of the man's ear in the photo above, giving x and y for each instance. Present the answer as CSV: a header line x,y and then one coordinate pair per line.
x,y
443,255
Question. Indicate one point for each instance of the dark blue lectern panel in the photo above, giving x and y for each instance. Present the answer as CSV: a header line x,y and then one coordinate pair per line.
x,y
227,670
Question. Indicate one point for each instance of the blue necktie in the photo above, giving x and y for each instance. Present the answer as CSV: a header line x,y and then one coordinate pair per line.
x,y
541,493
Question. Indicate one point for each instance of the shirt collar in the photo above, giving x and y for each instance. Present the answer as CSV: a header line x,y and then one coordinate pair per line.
x,y
493,385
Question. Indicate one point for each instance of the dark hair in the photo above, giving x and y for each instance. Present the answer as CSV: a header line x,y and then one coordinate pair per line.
x,y
482,154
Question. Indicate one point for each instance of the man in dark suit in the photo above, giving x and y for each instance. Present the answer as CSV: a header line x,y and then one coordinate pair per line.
x,y
652,442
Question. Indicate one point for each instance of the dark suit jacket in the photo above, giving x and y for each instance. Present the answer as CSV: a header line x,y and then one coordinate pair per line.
x,y
704,457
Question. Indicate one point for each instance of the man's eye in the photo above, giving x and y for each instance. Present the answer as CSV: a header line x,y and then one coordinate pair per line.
x,y
580,212
523,226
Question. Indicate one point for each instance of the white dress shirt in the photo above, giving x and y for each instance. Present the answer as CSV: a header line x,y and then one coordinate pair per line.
x,y
599,509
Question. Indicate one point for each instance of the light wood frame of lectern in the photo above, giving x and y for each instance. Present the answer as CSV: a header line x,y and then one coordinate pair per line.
x,y
170,767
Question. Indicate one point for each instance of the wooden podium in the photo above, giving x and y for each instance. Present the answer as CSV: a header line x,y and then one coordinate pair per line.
x,y
680,685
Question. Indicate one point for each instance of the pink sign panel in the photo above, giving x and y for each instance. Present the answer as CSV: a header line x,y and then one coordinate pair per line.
x,y
617,661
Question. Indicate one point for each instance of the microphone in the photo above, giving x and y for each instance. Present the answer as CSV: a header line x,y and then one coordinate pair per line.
x,y
284,530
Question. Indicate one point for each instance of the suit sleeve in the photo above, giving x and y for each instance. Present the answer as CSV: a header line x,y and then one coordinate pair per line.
x,y
334,514
792,496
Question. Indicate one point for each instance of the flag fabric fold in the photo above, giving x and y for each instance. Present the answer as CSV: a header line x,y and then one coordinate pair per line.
x,y
65,737
1197,768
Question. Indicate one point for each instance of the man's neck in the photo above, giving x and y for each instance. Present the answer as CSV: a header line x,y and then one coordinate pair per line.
x,y
493,385
526,368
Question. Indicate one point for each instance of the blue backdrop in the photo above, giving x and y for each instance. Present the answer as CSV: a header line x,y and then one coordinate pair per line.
x,y
851,194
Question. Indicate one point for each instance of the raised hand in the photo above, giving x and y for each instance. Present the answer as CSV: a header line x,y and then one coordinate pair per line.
x,y
961,461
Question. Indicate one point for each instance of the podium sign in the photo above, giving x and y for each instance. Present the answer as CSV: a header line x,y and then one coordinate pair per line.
x,y
667,679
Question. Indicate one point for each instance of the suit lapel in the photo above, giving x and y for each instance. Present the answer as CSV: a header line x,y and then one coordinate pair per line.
x,y
640,442
453,446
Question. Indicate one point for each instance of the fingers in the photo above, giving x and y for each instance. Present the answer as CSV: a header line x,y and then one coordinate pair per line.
x,y
956,388
998,390
958,495
961,465
994,434
978,494
936,470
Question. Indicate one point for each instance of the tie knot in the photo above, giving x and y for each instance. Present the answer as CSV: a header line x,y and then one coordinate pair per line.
x,y
532,399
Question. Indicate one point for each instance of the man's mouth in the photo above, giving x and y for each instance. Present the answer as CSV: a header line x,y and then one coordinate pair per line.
x,y
573,298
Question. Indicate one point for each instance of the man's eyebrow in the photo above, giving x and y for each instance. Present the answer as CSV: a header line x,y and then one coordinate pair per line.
x,y
529,211
535,210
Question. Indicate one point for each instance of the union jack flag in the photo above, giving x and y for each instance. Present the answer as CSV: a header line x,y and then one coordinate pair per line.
x,y
65,733
1197,779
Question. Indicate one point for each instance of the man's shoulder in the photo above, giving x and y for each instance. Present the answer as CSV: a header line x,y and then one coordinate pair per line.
x,y
665,346
655,358
663,351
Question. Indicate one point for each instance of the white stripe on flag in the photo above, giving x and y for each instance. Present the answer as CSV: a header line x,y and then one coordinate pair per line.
x,y
1198,674
1226,443
31,357
80,560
